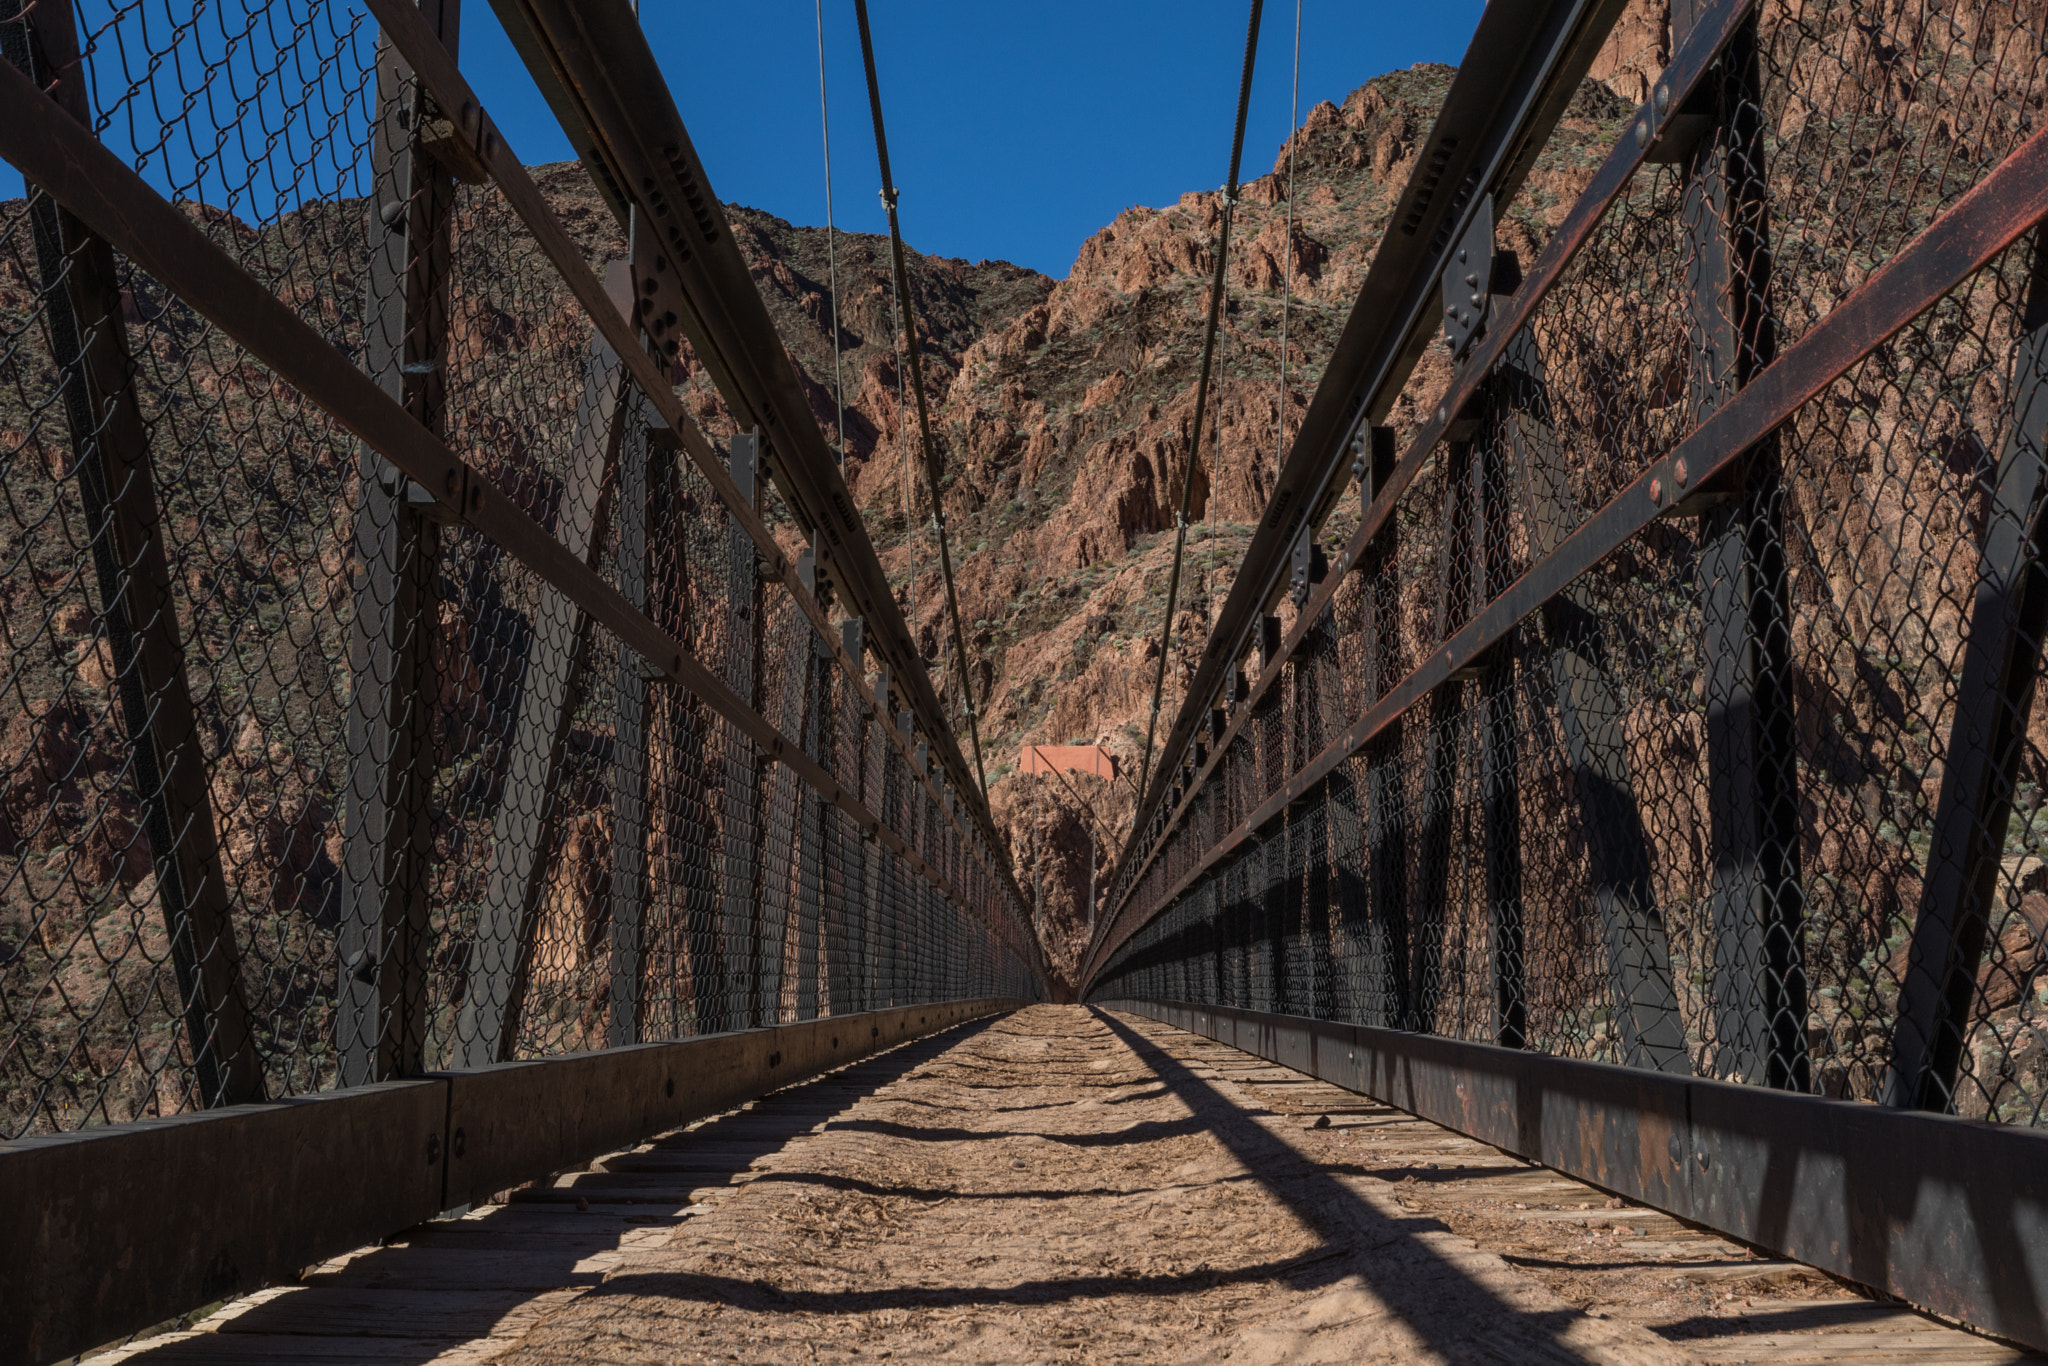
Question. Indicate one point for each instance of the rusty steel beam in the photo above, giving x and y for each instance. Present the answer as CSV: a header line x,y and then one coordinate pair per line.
x,y
1691,64
593,64
116,483
472,124
1523,65
1985,221
1946,1213
1980,769
65,160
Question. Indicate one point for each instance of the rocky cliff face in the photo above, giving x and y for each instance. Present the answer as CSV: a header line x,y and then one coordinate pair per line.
x,y
1064,416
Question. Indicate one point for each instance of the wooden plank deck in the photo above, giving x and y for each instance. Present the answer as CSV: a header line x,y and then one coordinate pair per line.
x,y
467,1290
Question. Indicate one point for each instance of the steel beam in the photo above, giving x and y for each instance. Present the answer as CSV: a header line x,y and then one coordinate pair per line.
x,y
1500,777
1755,897
523,828
1523,65
111,1230
52,151
593,64
1948,1214
80,297
1690,65
387,827
1986,740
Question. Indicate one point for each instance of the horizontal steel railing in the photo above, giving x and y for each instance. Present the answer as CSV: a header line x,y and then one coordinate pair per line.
x,y
1938,1211
1670,700
123,1227
406,690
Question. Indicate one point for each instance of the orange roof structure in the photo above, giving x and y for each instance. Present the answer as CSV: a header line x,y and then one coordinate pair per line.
x,y
1073,758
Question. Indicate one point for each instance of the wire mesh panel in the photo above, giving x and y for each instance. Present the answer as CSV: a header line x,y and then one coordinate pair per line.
x,y
1640,742
309,781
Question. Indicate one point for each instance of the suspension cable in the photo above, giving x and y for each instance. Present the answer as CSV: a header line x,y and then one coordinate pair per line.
x,y
831,240
1187,488
1287,252
924,419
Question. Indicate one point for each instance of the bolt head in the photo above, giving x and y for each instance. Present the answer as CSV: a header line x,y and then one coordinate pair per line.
x,y
1642,132
1656,490
1663,97
1680,471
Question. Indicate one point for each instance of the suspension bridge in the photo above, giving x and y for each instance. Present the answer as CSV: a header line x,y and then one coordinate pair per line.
x,y
487,871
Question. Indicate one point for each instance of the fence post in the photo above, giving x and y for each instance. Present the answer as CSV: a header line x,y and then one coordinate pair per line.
x,y
1755,896
640,511
1500,779
1589,704
739,794
1386,778
524,826
81,297
845,849
1428,916
816,656
387,825
1986,740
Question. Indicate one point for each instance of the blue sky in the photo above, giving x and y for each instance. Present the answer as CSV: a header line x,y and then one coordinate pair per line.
x,y
1014,131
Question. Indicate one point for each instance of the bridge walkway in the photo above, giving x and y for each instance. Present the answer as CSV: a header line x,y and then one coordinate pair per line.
x,y
1062,1185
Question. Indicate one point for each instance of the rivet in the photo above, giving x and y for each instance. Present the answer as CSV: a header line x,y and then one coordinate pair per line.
x,y
476,496
451,480
1663,97
1656,490
1679,471
1443,414
1642,132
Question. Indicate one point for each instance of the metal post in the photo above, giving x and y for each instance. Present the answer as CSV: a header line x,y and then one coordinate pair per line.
x,y
1756,899
1386,779
815,658
81,299
739,806
630,765
387,830
1312,675
524,827
1500,761
1429,915
1645,1000
1986,740
843,884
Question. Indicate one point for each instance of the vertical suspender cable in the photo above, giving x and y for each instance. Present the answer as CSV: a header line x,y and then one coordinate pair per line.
x,y
1187,487
832,242
924,418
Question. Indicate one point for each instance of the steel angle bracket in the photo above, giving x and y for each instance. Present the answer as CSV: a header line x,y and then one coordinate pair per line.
x,y
1475,272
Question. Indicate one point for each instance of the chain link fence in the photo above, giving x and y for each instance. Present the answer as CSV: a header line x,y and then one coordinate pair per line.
x,y
304,781
1758,795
